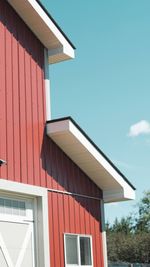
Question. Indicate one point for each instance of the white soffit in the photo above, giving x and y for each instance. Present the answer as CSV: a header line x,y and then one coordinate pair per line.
x,y
77,145
45,28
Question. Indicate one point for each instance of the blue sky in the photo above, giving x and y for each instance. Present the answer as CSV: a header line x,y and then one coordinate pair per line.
x,y
106,88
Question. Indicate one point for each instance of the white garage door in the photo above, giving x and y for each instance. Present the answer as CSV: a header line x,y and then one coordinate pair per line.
x,y
16,232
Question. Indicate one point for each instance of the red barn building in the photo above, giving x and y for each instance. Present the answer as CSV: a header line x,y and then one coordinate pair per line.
x,y
54,180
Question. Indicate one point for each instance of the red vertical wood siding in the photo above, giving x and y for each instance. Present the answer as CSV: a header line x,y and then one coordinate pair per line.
x,y
78,215
31,156
22,115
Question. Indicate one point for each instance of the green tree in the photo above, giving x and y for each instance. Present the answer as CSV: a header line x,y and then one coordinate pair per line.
x,y
128,239
143,219
122,226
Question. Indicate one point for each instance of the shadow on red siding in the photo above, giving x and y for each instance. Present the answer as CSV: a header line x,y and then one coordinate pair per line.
x,y
63,174
20,31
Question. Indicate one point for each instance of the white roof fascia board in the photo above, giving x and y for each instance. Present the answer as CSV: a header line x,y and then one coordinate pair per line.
x,y
60,53
45,29
120,195
126,192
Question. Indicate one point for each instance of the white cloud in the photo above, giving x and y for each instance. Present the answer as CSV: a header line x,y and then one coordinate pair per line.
x,y
141,127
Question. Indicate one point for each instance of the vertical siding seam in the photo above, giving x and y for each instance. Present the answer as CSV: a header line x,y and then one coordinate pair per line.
x,y
18,103
58,168
74,214
68,174
12,106
66,162
25,88
62,233
78,174
79,216
20,178
44,134
68,199
84,218
61,172
13,88
31,118
63,216
90,230
69,220
53,230
60,176
33,178
6,96
18,78
86,230
64,174
38,128
51,238
54,163
63,251
44,116
59,223
95,240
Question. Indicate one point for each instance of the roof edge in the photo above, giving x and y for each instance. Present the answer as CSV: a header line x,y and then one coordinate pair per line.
x,y
96,147
45,28
56,24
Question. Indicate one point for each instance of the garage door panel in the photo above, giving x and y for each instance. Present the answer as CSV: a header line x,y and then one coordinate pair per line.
x,y
13,235
28,256
16,233
2,260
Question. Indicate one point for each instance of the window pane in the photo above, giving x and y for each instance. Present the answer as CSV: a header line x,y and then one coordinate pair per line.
x,y
12,207
71,249
85,251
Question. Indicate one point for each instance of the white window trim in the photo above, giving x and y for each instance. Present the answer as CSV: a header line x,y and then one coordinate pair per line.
x,y
40,196
78,246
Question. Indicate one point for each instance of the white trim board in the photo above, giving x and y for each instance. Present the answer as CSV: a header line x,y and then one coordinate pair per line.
x,y
40,195
47,85
46,30
104,241
71,139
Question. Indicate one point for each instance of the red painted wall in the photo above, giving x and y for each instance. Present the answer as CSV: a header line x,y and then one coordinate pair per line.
x,y
73,214
22,115
31,156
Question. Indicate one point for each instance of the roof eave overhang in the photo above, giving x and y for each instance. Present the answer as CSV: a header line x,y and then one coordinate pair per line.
x,y
75,143
45,28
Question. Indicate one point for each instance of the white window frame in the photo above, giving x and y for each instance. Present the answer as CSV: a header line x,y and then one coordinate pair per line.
x,y
29,208
78,250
